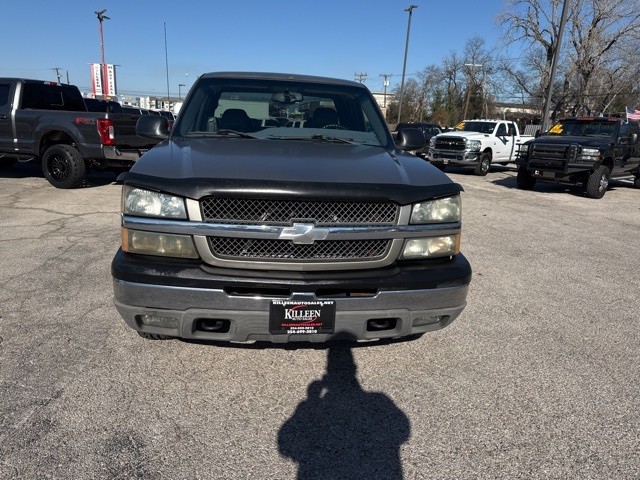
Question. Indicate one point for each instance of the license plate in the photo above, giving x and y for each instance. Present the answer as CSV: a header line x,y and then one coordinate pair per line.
x,y
303,318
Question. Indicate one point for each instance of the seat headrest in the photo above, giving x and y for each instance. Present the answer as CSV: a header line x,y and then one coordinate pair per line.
x,y
235,119
323,116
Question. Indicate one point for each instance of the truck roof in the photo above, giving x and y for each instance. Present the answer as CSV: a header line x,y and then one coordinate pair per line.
x,y
283,77
591,119
488,120
31,80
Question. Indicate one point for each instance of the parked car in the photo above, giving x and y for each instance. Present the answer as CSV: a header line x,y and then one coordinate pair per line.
x,y
48,122
282,233
584,150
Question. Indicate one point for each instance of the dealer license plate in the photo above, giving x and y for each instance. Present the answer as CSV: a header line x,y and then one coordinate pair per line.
x,y
307,317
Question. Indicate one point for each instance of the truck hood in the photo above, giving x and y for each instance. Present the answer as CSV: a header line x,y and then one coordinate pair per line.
x,y
469,135
582,141
244,167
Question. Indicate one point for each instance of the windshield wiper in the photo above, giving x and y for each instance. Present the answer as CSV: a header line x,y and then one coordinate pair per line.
x,y
322,138
326,138
221,133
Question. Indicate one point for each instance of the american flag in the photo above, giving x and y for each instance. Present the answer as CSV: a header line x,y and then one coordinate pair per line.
x,y
633,114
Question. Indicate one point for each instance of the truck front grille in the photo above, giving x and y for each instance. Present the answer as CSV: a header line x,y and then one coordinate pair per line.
x,y
241,252
549,155
285,250
285,212
450,143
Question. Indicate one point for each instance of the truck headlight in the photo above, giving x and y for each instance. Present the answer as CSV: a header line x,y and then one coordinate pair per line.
x,y
590,154
474,145
154,243
432,142
431,247
138,201
441,210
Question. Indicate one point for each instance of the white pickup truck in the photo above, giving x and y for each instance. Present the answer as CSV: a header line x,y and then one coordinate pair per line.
x,y
478,144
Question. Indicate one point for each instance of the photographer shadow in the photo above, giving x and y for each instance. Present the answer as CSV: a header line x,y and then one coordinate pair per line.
x,y
341,431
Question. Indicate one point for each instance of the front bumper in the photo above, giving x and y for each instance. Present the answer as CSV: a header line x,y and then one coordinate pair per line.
x,y
417,297
454,157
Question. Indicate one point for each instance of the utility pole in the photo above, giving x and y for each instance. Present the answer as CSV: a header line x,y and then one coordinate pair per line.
x,y
554,63
361,77
404,65
466,104
101,17
57,70
166,60
386,83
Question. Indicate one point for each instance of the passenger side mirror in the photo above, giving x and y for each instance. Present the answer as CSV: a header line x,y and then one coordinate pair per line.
x,y
154,127
410,139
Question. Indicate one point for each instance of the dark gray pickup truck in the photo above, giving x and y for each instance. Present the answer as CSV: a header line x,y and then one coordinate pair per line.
x,y
49,122
582,150
238,228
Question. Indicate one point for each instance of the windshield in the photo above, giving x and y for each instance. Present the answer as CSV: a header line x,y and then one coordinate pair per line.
x,y
282,110
480,127
583,128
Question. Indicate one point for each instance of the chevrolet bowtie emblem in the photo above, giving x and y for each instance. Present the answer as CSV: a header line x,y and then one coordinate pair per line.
x,y
303,233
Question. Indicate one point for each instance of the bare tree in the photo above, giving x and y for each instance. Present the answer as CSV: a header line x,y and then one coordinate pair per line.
x,y
535,24
596,28
595,71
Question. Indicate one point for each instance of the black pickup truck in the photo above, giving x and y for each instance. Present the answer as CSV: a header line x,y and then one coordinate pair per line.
x,y
49,122
240,229
582,150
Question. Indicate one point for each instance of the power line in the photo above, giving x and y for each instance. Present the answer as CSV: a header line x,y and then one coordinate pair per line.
x,y
360,77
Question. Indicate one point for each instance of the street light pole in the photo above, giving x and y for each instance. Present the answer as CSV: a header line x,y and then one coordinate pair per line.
x,y
404,65
554,62
101,17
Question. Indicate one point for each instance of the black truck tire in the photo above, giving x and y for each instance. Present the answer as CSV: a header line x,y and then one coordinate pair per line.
x,y
484,164
524,180
598,182
63,166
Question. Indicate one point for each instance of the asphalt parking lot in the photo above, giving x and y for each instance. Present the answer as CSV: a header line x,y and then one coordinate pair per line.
x,y
538,378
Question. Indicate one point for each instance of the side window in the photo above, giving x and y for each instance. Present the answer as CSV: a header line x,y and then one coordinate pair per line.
x,y
4,94
52,97
512,129
502,130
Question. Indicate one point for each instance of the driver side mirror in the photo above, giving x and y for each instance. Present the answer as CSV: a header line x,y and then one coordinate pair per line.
x,y
410,139
154,127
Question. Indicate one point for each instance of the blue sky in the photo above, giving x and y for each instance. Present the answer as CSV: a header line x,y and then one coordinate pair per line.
x,y
330,38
